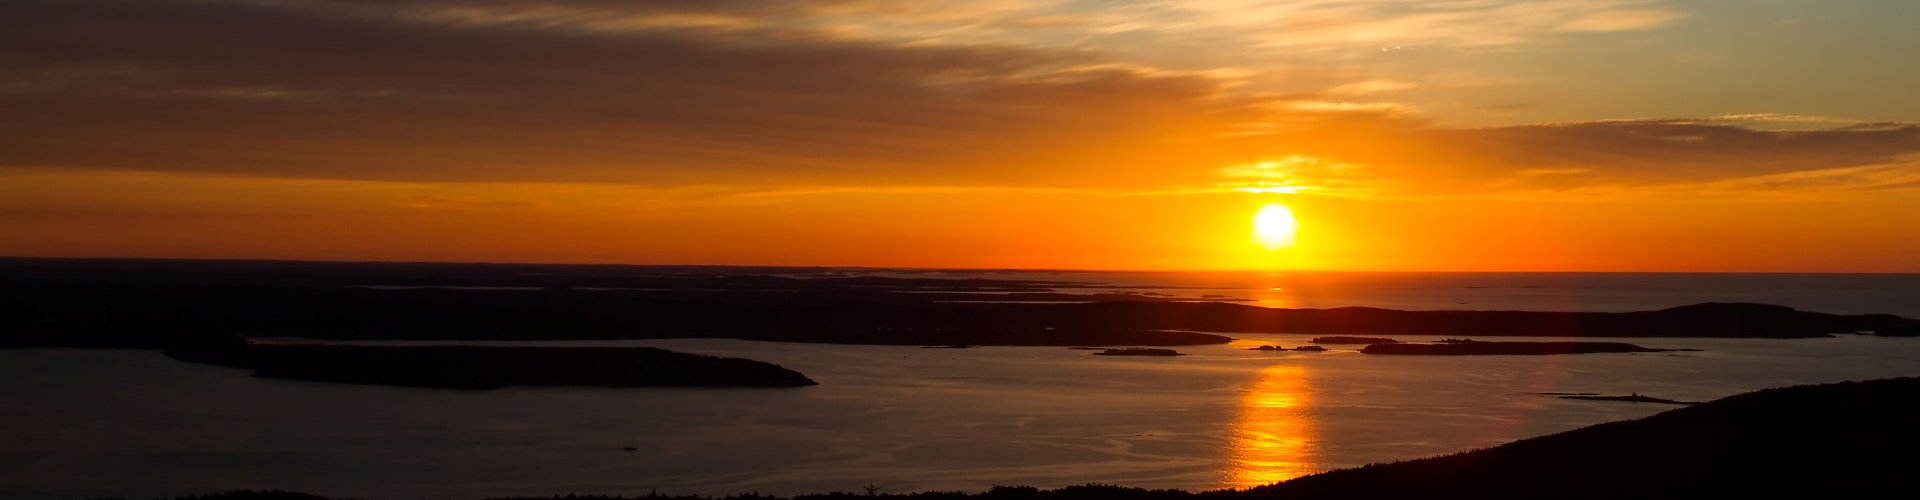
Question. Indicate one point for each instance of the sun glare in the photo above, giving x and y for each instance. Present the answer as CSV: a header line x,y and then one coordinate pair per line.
x,y
1274,434
1274,227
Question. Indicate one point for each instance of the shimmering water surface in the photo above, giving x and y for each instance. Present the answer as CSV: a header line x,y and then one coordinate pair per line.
x,y
82,423
1613,292
96,422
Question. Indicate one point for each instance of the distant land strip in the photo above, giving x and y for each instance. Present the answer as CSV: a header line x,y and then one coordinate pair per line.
x,y
1503,348
486,367
153,304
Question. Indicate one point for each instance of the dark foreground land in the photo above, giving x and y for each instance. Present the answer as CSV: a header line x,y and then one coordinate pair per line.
x,y
487,367
1842,441
154,304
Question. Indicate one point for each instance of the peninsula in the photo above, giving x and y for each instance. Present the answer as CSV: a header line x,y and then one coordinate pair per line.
x,y
488,367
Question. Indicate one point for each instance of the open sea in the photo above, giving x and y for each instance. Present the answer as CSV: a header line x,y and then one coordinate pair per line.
x,y
88,423
1611,292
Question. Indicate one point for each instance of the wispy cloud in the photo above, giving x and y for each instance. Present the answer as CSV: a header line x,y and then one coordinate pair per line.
x,y
1372,87
844,95
283,88
1613,156
1319,24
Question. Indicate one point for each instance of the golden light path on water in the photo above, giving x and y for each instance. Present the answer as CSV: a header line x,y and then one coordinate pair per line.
x,y
1275,297
1273,433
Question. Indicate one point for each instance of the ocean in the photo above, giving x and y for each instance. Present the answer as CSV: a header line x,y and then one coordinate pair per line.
x,y
85,423
1607,292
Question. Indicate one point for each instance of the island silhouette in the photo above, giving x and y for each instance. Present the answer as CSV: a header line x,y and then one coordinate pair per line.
x,y
1344,339
1629,398
1135,351
153,304
485,367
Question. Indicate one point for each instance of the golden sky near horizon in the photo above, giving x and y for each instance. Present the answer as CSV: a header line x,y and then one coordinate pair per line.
x,y
1488,135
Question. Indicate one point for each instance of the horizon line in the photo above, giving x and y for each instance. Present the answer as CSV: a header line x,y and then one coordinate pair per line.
x,y
908,268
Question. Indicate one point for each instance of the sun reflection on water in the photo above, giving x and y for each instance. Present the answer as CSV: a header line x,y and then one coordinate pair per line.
x,y
1276,297
1273,437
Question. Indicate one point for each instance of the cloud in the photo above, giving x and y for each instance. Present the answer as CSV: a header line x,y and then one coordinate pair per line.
x,y
1341,24
1404,158
1372,87
1621,20
767,96
1844,183
1848,179
357,91
1552,171
1681,149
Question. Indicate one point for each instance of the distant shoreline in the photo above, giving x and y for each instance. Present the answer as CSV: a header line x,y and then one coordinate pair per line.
x,y
486,367
919,269
1503,348
118,304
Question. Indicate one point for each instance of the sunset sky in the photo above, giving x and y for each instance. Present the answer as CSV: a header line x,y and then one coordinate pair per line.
x,y
1471,135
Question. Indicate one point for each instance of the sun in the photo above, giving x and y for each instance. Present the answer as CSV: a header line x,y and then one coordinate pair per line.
x,y
1274,227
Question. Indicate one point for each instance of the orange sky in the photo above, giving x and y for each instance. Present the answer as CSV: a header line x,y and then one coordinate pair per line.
x,y
1404,135
179,215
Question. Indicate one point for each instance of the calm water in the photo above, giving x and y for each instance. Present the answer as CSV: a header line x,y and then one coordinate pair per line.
x,y
1834,293
80,423
92,422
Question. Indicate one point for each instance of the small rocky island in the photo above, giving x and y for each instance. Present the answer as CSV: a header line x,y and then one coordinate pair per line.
x,y
487,367
1504,348
1134,351
1341,339
1304,348
1630,398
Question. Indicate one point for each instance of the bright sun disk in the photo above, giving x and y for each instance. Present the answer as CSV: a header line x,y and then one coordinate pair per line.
x,y
1274,227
